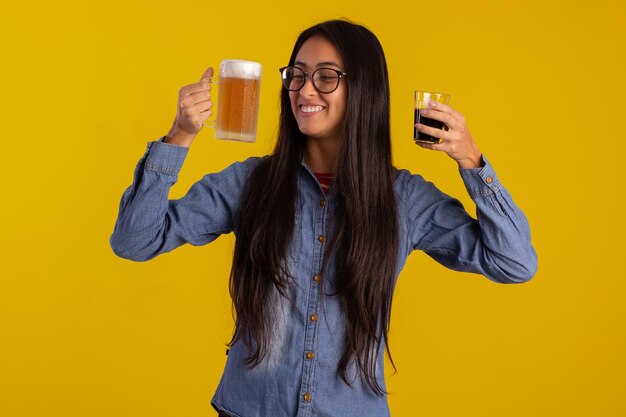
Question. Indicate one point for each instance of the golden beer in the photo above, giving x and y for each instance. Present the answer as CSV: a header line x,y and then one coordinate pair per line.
x,y
238,101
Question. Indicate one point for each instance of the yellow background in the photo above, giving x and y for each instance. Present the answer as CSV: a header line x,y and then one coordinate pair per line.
x,y
85,87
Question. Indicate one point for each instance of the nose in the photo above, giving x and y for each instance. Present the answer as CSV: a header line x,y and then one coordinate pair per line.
x,y
308,89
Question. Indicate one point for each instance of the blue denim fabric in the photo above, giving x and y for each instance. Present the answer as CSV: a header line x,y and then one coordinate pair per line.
x,y
289,383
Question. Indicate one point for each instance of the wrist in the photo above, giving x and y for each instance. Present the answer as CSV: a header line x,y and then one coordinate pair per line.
x,y
475,161
178,137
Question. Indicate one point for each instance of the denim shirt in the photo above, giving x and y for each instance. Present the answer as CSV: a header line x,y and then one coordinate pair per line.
x,y
299,377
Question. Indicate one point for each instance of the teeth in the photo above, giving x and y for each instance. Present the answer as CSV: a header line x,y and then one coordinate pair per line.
x,y
311,109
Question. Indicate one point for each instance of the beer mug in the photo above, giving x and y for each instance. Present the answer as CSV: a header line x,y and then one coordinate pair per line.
x,y
422,98
238,92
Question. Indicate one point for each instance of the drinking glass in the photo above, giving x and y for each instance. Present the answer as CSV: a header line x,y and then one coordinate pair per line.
x,y
238,94
422,98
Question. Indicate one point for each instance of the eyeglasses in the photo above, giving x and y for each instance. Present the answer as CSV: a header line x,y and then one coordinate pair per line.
x,y
325,80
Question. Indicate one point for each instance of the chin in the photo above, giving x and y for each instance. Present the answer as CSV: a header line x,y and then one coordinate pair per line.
x,y
309,132
313,134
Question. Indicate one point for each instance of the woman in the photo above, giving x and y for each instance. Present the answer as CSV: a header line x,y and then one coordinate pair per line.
x,y
323,227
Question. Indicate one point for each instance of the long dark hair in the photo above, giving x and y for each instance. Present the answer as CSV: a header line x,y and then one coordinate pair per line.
x,y
365,244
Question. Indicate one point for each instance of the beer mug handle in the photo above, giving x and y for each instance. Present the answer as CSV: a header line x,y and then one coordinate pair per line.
x,y
211,121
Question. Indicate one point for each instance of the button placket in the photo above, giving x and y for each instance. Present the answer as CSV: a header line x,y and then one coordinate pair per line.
x,y
311,330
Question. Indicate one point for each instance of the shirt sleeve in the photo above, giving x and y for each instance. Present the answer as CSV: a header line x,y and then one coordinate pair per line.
x,y
148,224
496,245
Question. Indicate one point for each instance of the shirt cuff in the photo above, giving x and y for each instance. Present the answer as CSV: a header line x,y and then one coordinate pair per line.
x,y
480,181
165,157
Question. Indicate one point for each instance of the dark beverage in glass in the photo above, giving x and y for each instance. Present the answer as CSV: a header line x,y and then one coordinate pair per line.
x,y
422,100
421,136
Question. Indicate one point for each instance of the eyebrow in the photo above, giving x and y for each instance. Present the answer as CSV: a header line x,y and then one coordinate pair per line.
x,y
321,64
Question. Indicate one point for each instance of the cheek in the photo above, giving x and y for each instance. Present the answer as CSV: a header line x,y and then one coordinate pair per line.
x,y
342,101
292,102
341,105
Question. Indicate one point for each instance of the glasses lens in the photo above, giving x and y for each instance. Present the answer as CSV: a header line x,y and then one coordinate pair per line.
x,y
293,78
326,80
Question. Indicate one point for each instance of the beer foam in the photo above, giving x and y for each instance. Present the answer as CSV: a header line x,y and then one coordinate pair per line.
x,y
236,68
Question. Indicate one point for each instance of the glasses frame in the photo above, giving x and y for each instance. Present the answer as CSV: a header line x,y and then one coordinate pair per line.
x,y
310,75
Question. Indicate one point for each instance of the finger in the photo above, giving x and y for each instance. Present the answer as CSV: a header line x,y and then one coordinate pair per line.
x,y
447,118
198,97
197,107
437,133
204,105
431,146
200,111
194,88
445,108
207,74
206,114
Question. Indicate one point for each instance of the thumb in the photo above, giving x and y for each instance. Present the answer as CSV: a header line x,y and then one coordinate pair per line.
x,y
207,74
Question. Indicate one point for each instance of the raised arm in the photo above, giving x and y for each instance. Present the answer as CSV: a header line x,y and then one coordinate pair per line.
x,y
496,245
149,224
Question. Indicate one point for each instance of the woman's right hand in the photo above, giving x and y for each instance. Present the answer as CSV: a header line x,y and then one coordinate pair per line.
x,y
194,108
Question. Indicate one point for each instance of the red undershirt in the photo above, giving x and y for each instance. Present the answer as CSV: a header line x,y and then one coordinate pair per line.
x,y
324,179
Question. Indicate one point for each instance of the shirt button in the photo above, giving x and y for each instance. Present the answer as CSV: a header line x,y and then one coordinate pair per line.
x,y
307,396
489,180
313,317
322,203
322,238
310,355
317,278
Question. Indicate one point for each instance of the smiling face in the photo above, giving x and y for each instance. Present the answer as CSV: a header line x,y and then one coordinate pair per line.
x,y
319,115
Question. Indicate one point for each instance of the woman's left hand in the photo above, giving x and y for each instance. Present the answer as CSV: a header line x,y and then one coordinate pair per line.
x,y
456,141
